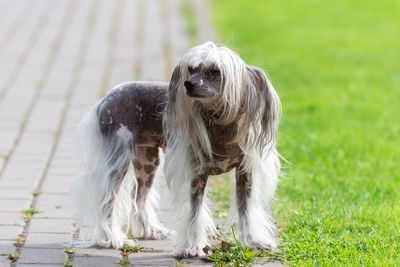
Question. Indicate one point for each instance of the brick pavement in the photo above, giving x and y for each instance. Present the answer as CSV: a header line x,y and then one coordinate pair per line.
x,y
57,58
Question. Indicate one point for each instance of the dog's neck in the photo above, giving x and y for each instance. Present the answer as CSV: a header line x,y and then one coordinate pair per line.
x,y
211,113
209,117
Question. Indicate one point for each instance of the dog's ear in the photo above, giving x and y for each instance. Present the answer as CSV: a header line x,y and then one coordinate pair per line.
x,y
175,82
173,88
268,110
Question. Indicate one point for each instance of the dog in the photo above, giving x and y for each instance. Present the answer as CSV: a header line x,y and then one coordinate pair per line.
x,y
222,115
120,140
217,114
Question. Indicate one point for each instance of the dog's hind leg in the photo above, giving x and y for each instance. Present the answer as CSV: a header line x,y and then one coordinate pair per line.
x,y
144,218
114,206
99,210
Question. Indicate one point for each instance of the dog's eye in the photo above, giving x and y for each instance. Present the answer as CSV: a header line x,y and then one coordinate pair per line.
x,y
191,70
215,72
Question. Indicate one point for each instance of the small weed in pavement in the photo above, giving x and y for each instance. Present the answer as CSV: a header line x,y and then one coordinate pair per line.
x,y
130,249
126,251
13,256
68,263
35,193
29,213
69,252
124,262
229,253
19,242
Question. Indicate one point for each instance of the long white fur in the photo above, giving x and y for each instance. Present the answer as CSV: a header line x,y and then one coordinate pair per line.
x,y
259,229
190,232
92,191
188,143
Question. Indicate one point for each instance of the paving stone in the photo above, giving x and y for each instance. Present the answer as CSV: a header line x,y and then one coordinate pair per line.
x,y
95,261
152,61
55,185
152,259
6,247
18,183
48,240
4,261
97,252
10,232
41,256
42,225
11,218
15,193
31,168
14,205
53,206
36,265
158,245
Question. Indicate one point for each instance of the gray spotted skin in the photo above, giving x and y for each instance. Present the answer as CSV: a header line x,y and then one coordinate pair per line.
x,y
243,191
226,157
137,106
197,190
145,163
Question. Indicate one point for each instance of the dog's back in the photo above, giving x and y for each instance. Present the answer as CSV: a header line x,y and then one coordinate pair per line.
x,y
138,106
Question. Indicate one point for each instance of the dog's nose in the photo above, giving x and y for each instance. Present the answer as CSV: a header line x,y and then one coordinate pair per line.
x,y
189,85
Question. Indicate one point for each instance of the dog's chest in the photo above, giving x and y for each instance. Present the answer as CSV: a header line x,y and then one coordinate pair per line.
x,y
226,155
216,167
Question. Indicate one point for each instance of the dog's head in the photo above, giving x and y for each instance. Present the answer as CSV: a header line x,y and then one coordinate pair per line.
x,y
215,80
203,82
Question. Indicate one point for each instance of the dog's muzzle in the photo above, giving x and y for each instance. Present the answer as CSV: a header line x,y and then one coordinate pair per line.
x,y
189,85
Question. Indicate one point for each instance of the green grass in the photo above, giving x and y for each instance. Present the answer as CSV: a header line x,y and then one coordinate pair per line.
x,y
220,191
336,67
229,253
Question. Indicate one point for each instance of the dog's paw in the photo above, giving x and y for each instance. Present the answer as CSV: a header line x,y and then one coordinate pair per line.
x,y
264,244
193,251
102,243
159,233
129,242
115,242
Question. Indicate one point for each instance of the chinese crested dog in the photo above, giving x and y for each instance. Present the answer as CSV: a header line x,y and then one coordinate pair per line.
x,y
221,115
216,115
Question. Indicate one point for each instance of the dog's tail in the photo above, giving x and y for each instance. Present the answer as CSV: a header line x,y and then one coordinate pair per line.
x,y
93,190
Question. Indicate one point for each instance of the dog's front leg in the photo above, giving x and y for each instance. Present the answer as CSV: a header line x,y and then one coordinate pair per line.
x,y
193,238
255,223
